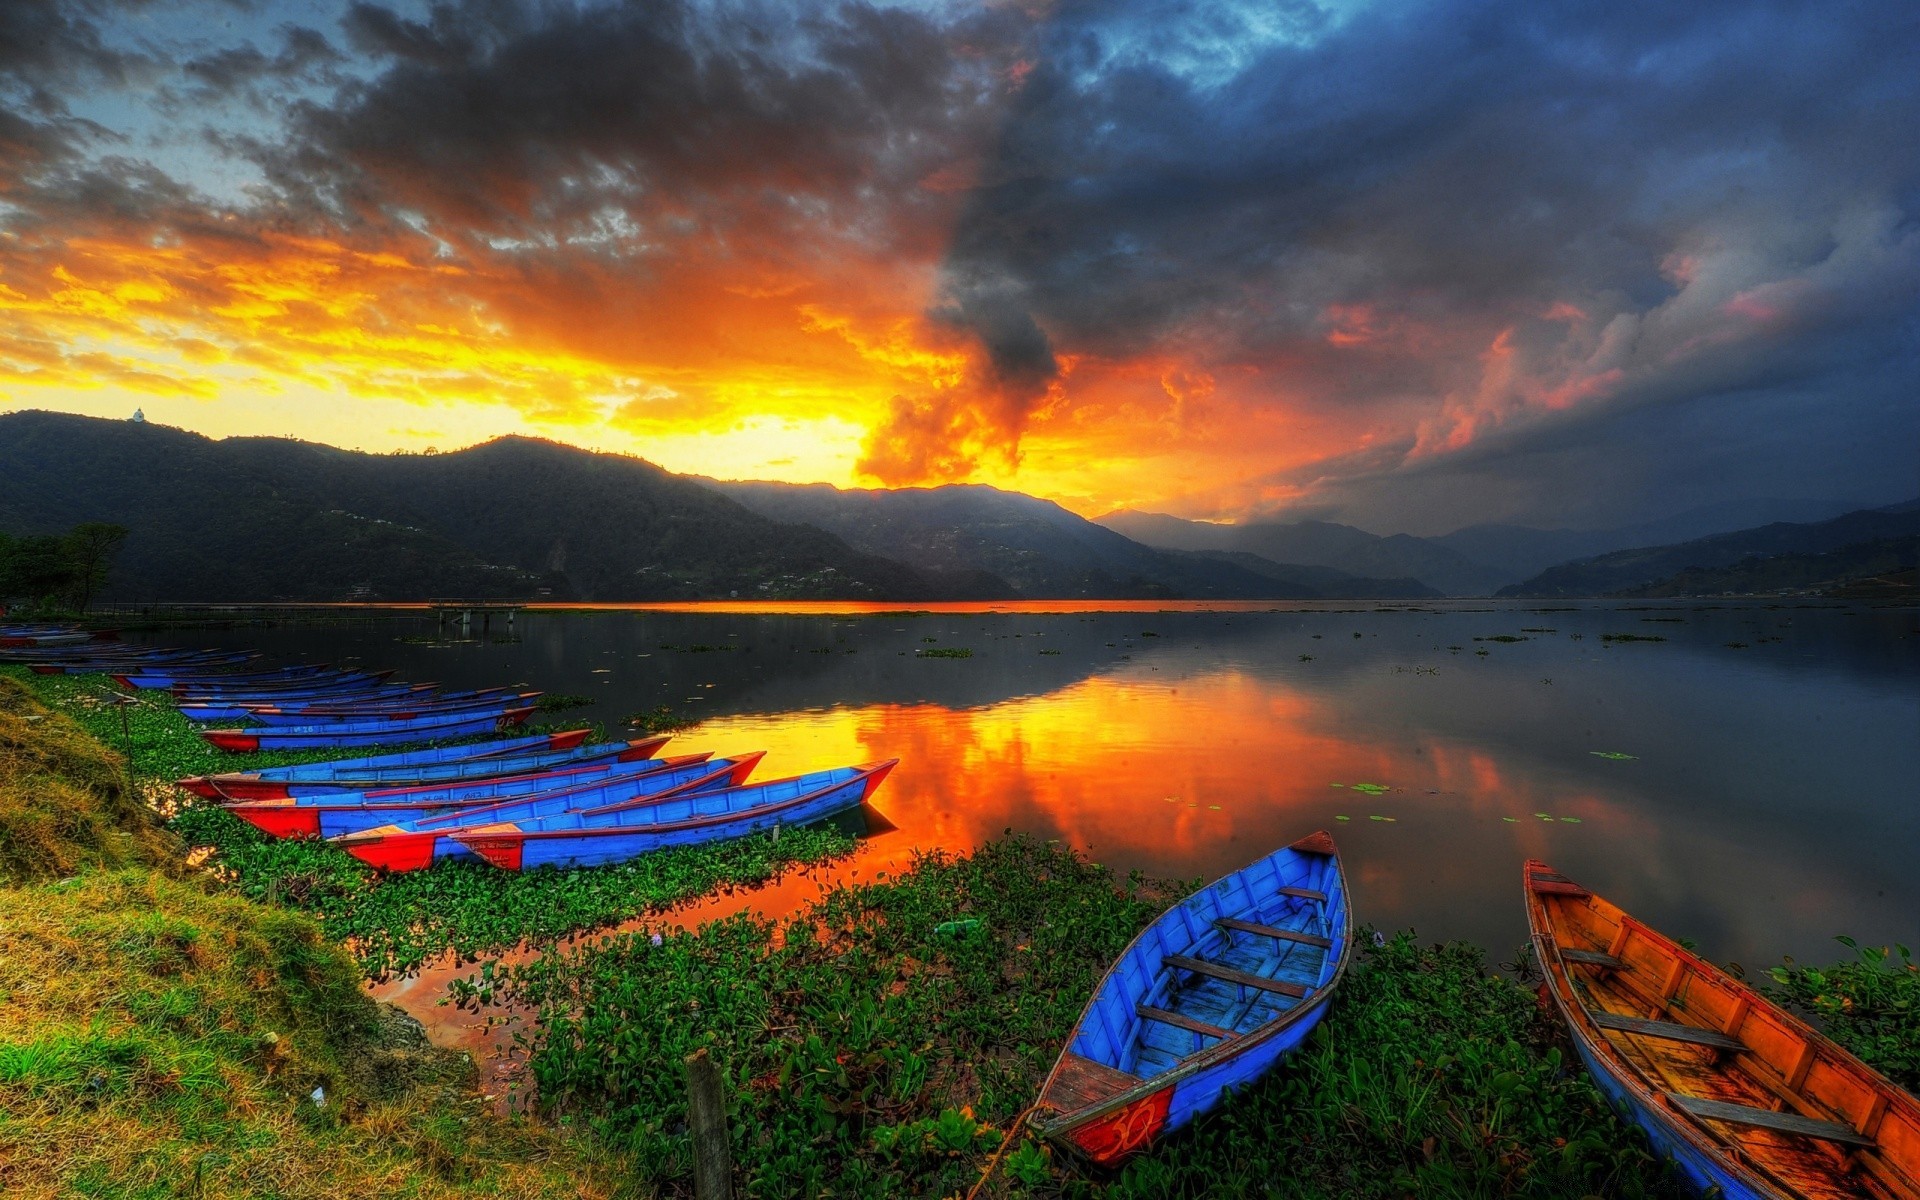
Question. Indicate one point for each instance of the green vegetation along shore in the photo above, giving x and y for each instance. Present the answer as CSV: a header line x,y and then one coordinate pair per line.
x,y
173,1030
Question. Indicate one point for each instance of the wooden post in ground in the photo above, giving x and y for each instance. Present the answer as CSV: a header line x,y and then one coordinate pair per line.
x,y
707,1121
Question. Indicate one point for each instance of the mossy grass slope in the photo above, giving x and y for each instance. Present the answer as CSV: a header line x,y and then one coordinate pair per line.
x,y
65,801
162,1035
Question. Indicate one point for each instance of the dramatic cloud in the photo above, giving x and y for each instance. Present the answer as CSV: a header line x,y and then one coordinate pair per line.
x,y
1407,264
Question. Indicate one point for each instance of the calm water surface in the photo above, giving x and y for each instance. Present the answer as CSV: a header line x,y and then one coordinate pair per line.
x,y
1770,802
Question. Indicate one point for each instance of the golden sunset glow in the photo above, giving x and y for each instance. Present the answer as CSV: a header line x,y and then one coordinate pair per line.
x,y
956,252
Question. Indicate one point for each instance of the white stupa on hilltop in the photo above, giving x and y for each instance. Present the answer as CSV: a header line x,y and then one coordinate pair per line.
x,y
139,417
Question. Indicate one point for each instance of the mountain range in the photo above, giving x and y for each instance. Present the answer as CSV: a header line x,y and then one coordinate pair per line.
x,y
266,518
1876,536
1040,548
269,518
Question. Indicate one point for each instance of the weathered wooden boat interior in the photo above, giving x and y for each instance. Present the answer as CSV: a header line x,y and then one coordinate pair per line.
x,y
1763,1089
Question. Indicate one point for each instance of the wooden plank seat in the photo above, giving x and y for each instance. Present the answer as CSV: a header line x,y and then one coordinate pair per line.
x,y
1302,893
1285,935
1182,1021
1670,1030
1200,966
1592,958
1766,1118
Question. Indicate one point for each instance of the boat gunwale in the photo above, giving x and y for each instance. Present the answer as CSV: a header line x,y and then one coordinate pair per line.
x,y
1212,1055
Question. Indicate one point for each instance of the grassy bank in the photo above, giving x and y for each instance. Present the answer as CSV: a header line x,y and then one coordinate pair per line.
x,y
396,924
161,1035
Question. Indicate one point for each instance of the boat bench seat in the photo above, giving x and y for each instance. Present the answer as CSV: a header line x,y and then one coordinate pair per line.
x,y
1182,1021
1592,958
1285,935
1766,1118
1200,966
1302,893
1670,1030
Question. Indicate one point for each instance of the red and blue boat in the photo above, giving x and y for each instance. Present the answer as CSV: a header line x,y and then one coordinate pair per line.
x,y
1747,1101
367,733
614,833
238,706
163,678
414,843
1220,989
391,708
352,812
449,764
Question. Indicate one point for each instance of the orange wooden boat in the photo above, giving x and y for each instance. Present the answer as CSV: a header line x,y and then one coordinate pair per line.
x,y
1744,1097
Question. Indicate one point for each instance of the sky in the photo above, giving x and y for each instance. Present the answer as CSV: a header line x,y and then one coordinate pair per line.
x,y
1410,264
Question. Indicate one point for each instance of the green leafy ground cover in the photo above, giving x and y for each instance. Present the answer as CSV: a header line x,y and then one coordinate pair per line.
x,y
870,1053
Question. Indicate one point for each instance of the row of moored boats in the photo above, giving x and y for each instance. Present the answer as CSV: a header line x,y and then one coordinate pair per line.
x,y
517,801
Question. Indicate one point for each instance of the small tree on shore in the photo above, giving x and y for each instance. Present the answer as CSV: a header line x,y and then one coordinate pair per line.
x,y
90,547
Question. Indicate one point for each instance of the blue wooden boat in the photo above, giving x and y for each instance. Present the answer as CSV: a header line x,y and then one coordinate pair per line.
x,y
218,709
417,842
397,708
352,812
366,733
315,779
1745,1099
1212,995
120,663
266,677
397,768
343,681
617,832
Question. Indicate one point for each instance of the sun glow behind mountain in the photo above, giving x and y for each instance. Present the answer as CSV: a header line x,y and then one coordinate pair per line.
x,y
1354,261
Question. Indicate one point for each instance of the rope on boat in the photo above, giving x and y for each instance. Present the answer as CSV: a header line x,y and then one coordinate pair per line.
x,y
1006,1143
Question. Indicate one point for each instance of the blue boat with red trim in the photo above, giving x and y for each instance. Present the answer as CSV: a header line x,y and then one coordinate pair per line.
x,y
352,812
414,843
399,768
312,779
367,733
617,832
1220,989
391,708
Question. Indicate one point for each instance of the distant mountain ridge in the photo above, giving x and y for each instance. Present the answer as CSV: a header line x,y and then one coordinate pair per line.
x,y
1040,548
1317,544
1881,568
264,518
1476,560
1638,569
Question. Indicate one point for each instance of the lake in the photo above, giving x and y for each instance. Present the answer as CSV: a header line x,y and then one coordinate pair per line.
x,y
1748,781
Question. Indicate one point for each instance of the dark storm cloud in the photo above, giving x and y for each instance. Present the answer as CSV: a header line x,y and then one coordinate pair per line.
x,y
1438,173
494,119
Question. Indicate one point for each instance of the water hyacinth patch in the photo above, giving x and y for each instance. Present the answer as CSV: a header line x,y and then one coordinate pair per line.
x,y
868,1053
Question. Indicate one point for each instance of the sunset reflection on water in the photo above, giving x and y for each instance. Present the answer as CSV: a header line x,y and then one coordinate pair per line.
x,y
1758,806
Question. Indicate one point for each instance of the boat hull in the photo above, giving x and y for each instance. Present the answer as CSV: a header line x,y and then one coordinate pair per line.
x,y
617,833
1743,1098
1135,1071
373,733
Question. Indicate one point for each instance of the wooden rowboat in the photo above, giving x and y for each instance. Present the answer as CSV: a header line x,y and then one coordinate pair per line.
x,y
1746,1099
445,764
366,733
1209,997
611,833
